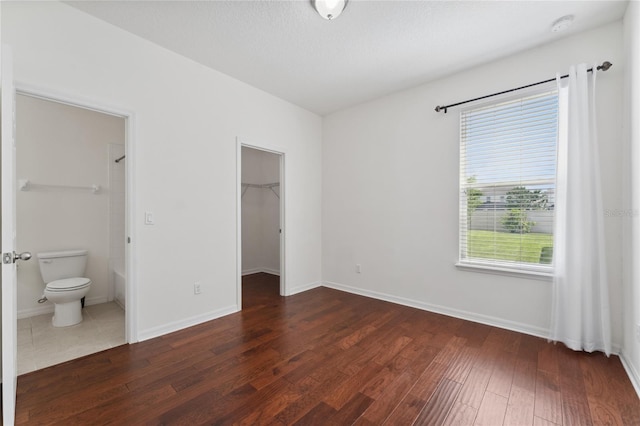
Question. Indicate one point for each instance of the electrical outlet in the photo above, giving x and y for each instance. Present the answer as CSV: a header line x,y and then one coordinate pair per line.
x,y
358,268
196,288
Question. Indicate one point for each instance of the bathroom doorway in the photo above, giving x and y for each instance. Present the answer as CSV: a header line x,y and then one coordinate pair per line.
x,y
261,208
71,195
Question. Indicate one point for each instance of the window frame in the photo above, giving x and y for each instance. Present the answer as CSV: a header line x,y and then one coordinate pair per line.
x,y
494,266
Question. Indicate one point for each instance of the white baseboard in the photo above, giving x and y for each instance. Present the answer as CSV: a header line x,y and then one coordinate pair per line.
x,y
259,270
456,313
120,303
187,322
96,300
44,308
47,307
631,372
304,287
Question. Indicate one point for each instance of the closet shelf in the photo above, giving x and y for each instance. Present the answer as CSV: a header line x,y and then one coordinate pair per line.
x,y
27,185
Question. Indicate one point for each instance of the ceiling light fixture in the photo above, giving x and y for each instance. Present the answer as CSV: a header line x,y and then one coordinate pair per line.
x,y
562,24
329,9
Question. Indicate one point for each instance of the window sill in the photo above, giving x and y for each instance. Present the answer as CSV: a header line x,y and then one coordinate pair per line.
x,y
505,270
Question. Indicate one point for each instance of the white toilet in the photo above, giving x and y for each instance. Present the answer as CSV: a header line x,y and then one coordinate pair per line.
x,y
62,273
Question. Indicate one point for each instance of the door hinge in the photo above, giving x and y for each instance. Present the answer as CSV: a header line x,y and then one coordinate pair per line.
x,y
7,258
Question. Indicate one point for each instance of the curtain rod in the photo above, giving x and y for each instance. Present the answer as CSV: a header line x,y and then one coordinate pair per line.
x,y
604,67
120,159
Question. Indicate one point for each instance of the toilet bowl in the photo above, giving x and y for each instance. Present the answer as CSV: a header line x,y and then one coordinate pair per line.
x,y
65,294
63,271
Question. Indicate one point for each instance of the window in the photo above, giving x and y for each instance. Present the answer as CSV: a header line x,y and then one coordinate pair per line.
x,y
507,183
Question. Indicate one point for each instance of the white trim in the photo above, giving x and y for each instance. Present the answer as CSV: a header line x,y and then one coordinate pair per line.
x,y
456,313
238,224
634,377
131,314
269,271
304,287
487,268
282,153
185,323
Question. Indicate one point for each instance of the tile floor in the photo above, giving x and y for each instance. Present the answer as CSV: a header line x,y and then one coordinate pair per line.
x,y
41,345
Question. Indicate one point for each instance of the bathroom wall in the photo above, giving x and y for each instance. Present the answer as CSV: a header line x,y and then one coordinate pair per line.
x,y
62,145
260,213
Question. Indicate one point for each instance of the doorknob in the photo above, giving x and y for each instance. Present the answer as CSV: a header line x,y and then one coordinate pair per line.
x,y
9,258
21,256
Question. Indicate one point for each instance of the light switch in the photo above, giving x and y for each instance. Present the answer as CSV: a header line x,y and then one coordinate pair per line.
x,y
148,218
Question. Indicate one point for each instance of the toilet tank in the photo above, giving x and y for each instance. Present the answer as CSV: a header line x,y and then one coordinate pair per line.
x,y
57,265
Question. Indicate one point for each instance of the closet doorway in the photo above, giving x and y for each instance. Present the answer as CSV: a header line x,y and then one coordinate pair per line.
x,y
261,208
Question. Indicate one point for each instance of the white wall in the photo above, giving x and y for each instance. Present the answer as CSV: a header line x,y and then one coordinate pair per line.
x,y
390,190
187,119
62,145
260,213
631,251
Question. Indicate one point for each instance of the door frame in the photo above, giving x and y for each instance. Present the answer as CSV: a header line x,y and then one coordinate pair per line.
x,y
281,152
131,270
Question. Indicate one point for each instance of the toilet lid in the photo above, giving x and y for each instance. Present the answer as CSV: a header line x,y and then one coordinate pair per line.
x,y
68,284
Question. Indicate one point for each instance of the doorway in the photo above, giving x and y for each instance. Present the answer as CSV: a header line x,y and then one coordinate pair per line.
x,y
72,194
261,224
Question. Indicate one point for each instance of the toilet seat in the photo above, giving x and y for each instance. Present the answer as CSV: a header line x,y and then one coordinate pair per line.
x,y
68,284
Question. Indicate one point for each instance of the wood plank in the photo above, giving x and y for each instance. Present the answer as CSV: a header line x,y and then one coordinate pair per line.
x,y
520,407
293,412
437,408
575,405
412,404
351,411
492,410
317,415
461,414
474,387
387,400
539,421
462,365
345,391
548,400
502,374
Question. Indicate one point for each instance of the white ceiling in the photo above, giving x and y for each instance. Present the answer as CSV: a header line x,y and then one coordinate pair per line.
x,y
374,48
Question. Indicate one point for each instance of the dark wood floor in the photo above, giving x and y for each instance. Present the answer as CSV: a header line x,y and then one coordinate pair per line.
x,y
327,357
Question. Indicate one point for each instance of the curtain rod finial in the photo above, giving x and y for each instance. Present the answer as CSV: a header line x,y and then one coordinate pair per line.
x,y
605,66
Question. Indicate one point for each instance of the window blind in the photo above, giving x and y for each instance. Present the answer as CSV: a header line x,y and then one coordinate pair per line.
x,y
507,182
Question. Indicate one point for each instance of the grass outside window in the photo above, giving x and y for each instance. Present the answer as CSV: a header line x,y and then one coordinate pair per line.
x,y
510,247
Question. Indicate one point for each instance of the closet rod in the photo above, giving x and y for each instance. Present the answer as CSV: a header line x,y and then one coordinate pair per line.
x,y
269,186
604,67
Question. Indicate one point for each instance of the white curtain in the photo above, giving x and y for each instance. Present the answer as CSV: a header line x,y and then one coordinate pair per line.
x,y
580,307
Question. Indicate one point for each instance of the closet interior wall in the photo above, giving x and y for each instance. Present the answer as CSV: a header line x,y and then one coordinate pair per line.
x,y
260,212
